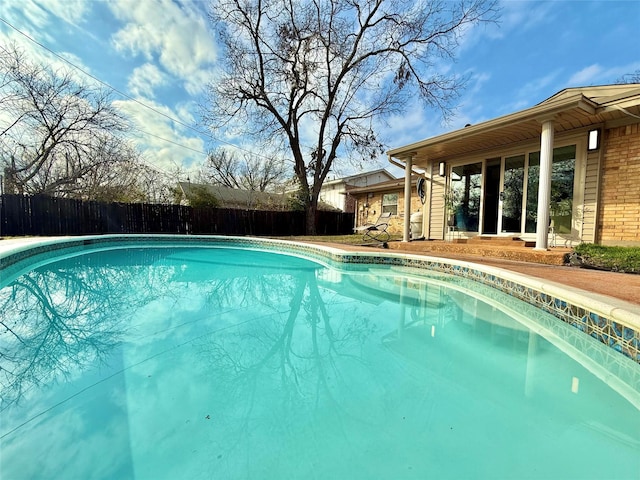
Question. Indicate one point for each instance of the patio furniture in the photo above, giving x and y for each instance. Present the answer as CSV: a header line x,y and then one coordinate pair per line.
x,y
376,232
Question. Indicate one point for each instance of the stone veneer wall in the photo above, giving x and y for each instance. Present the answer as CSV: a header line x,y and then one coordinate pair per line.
x,y
619,212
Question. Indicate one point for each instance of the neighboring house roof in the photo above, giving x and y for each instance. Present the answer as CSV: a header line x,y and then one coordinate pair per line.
x,y
570,109
236,198
389,186
357,178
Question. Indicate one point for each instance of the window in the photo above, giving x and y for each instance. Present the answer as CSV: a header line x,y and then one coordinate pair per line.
x,y
390,203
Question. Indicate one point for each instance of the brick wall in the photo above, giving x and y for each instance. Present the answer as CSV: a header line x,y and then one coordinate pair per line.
x,y
371,214
619,212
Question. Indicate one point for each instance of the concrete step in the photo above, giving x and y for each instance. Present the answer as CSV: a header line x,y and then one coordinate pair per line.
x,y
554,256
511,241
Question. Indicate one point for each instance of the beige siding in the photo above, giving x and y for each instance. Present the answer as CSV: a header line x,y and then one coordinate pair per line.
x,y
436,221
590,204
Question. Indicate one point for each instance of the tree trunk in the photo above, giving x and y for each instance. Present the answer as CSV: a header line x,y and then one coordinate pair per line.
x,y
312,208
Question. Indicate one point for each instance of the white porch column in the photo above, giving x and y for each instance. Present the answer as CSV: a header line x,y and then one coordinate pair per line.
x,y
544,186
407,199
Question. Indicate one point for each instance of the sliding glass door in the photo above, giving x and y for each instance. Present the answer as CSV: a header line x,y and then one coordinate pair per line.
x,y
500,194
512,194
463,199
491,197
562,179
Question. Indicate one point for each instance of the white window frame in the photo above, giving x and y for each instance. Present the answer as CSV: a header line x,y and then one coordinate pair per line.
x,y
388,206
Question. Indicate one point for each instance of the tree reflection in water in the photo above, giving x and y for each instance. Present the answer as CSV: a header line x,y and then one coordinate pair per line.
x,y
297,345
239,364
62,318
260,325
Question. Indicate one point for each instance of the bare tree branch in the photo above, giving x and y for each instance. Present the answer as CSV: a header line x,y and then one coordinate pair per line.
x,y
62,138
250,172
315,74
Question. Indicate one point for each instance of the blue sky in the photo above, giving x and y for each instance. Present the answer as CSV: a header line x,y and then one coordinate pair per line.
x,y
161,53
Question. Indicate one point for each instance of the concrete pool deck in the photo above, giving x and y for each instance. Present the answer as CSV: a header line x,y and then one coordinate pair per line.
x,y
620,286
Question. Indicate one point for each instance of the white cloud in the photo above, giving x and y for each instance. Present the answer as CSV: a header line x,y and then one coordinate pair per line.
x,y
533,92
29,12
523,15
469,110
71,11
40,22
419,122
163,143
185,112
145,78
36,17
514,17
175,35
599,74
586,76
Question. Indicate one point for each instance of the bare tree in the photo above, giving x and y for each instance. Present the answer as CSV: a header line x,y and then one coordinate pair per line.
x,y
248,172
54,131
158,186
117,175
315,74
630,77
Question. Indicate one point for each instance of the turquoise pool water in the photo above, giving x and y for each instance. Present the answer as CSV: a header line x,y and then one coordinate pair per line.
x,y
155,363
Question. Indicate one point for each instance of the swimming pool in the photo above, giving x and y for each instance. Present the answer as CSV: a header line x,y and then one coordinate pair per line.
x,y
160,359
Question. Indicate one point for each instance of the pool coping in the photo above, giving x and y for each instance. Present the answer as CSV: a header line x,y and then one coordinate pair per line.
x,y
611,321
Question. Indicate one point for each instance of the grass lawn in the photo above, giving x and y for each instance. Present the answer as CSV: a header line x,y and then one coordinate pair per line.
x,y
354,239
616,259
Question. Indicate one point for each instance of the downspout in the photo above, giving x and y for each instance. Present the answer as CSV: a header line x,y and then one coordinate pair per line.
x,y
407,200
356,214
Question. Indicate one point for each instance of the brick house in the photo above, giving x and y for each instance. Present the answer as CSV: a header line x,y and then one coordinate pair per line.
x,y
334,191
372,200
566,170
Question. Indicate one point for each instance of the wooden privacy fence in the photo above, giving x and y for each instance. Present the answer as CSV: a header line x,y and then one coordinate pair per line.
x,y
226,221
43,215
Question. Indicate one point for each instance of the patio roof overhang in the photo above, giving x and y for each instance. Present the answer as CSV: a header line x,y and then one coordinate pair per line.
x,y
391,185
570,110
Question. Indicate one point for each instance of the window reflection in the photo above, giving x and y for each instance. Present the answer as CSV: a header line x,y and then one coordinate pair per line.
x,y
562,177
464,201
513,193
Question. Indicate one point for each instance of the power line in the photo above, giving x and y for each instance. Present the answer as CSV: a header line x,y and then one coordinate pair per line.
x,y
170,141
102,82
133,99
